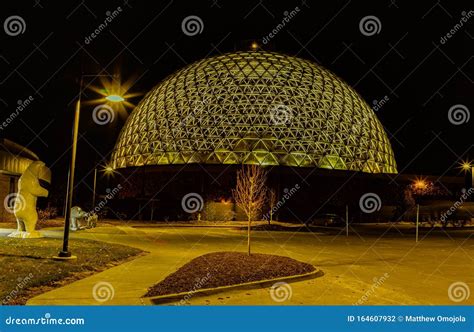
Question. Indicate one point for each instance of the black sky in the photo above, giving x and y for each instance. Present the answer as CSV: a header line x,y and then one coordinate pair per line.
x,y
405,61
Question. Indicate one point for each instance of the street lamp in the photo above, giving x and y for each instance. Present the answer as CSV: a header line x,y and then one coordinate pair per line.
x,y
115,98
420,184
468,167
107,170
65,254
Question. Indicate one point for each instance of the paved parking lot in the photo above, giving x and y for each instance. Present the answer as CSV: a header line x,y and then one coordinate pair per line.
x,y
358,269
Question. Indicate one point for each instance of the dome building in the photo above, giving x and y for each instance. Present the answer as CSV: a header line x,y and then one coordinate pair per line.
x,y
255,107
193,130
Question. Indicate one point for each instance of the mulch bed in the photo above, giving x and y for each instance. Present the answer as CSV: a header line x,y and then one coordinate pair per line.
x,y
227,268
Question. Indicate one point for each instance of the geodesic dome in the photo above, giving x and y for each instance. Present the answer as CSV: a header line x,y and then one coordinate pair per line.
x,y
255,107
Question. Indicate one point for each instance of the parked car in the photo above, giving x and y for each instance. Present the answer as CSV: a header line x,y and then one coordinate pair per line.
x,y
328,219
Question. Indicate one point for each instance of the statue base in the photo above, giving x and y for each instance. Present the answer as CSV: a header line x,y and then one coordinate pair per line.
x,y
26,235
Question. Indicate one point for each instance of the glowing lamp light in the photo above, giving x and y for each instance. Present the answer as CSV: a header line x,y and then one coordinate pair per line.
x,y
254,46
466,166
109,169
420,184
115,98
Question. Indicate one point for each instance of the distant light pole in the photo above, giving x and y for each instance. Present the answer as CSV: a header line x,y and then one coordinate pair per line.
x,y
94,187
417,220
108,170
347,220
65,254
468,167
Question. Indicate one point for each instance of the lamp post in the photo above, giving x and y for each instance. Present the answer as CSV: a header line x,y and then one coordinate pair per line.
x,y
65,254
468,167
94,187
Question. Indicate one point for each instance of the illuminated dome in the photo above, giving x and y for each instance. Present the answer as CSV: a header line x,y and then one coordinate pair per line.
x,y
255,108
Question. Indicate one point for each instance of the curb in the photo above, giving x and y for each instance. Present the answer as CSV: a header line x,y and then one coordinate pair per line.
x,y
162,299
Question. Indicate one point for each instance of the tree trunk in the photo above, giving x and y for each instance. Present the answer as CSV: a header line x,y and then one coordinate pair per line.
x,y
271,216
248,237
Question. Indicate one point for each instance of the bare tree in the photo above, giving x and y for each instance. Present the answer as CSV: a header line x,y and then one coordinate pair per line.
x,y
272,200
250,193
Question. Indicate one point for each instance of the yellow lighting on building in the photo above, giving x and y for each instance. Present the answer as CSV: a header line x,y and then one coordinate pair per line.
x,y
255,107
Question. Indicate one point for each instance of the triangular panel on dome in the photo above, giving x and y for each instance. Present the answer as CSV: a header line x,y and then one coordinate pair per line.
x,y
332,162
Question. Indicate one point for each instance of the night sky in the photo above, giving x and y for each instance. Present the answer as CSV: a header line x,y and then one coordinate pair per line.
x,y
406,63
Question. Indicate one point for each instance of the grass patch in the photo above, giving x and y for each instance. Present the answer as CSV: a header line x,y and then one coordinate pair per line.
x,y
228,268
27,268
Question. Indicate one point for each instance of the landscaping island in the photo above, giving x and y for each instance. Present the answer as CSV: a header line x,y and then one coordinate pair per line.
x,y
228,268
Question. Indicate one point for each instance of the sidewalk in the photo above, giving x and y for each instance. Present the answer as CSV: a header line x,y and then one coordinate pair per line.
x,y
129,281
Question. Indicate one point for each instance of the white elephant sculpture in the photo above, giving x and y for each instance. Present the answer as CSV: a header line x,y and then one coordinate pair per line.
x,y
77,218
29,189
